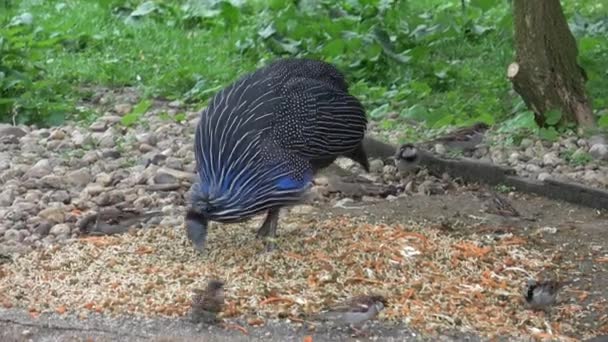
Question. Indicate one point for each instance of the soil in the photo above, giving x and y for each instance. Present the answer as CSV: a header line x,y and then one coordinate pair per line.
x,y
578,233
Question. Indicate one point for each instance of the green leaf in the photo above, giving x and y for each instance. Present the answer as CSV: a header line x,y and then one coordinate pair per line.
x,y
421,89
416,112
144,9
56,118
553,117
379,112
524,119
549,134
139,110
484,4
267,31
603,121
587,44
334,48
230,14
180,117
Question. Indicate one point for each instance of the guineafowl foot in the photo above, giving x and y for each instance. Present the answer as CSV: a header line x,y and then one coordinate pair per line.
x,y
268,230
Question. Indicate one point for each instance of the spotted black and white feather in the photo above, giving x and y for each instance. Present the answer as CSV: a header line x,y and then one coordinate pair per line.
x,y
260,141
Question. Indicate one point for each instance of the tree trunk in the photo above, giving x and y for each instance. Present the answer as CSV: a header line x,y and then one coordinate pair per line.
x,y
546,74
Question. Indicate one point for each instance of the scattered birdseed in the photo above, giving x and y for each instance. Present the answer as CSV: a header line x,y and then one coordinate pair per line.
x,y
432,281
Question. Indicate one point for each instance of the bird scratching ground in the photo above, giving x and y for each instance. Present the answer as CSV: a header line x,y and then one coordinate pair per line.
x,y
455,276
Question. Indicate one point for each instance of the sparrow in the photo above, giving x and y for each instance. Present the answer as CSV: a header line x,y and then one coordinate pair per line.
x,y
407,158
496,204
466,138
113,220
208,303
355,311
541,295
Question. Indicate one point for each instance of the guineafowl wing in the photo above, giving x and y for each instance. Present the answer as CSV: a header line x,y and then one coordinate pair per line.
x,y
317,121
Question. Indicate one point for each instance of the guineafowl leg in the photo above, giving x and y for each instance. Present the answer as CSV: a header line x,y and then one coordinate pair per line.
x,y
268,230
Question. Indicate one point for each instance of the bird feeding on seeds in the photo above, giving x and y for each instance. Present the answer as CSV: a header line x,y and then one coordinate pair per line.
x,y
261,140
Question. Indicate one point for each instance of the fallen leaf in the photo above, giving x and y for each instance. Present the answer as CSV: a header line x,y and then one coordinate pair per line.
x,y
99,241
144,250
307,338
515,240
236,327
583,296
272,300
602,259
61,309
255,321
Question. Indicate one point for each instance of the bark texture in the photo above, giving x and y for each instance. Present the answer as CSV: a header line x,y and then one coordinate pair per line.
x,y
546,73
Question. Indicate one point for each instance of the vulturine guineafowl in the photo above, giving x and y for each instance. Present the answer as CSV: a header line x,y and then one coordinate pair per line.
x,y
261,140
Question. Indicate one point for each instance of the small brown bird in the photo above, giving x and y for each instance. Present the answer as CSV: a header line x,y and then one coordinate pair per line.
x,y
208,303
496,204
113,220
355,311
466,138
541,295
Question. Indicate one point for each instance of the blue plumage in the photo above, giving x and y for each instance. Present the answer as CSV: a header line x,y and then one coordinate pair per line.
x,y
261,140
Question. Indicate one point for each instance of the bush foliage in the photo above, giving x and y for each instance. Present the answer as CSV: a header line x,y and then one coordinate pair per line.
x,y
438,62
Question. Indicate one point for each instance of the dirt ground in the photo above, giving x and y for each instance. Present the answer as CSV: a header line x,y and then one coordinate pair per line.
x,y
580,234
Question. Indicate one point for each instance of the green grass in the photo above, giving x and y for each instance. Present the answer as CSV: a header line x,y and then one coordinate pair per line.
x,y
425,60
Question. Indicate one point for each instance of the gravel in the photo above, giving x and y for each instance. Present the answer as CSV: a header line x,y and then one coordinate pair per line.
x,y
50,178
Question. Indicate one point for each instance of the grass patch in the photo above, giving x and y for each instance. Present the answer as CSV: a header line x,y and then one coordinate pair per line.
x,y
427,61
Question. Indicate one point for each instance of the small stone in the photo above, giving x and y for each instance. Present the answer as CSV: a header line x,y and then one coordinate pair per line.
x,y
164,178
533,168
8,130
174,163
39,170
181,175
582,143
376,166
123,109
389,169
7,197
107,141
79,178
109,198
78,139
525,143
57,135
12,235
43,228
514,158
551,159
60,229
440,149
147,138
322,180
345,163
99,126
543,176
111,154
303,209
53,181
175,104
599,151
104,179
145,148
53,214
94,189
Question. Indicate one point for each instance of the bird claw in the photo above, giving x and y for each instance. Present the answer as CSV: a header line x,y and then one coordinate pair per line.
x,y
358,332
270,245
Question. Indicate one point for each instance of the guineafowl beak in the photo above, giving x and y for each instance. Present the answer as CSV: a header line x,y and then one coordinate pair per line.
x,y
196,229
